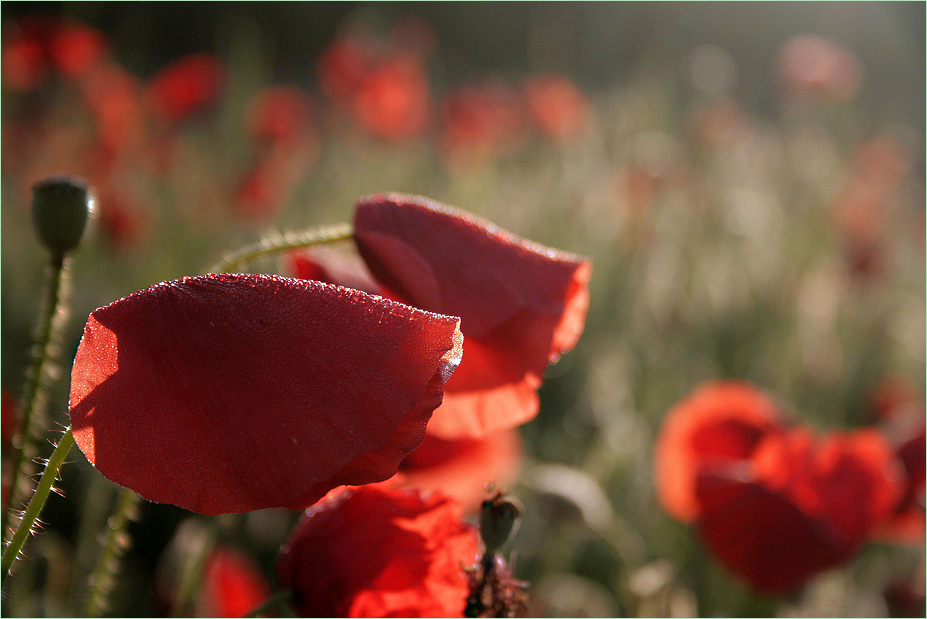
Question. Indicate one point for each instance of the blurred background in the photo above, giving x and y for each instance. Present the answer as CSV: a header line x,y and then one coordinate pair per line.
x,y
747,177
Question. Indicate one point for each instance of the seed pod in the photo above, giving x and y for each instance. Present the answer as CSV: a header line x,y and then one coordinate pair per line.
x,y
61,208
499,520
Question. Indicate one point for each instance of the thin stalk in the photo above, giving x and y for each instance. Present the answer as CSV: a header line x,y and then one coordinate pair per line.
x,y
31,422
281,597
11,552
192,573
287,241
117,542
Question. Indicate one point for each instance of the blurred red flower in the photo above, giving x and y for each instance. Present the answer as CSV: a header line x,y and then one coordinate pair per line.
x,y
464,468
374,551
232,585
114,97
810,66
280,114
185,87
394,102
481,121
383,89
805,505
557,106
230,393
774,505
718,425
38,44
279,122
521,304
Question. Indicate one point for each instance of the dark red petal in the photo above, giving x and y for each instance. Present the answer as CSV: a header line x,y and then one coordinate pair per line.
x,y
230,393
717,425
524,303
374,551
763,537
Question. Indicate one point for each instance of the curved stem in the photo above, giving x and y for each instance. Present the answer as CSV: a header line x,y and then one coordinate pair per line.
x,y
31,407
290,240
281,597
11,552
116,543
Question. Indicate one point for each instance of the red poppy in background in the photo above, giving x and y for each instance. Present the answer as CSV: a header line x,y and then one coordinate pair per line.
x,y
718,425
521,304
464,468
814,67
481,121
280,114
805,505
394,101
230,393
232,585
375,551
37,44
557,106
383,88
185,87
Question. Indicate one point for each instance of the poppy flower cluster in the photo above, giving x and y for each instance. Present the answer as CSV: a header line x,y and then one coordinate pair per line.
x,y
774,504
521,306
323,385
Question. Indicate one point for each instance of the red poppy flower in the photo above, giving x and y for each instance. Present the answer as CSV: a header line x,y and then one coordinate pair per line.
x,y
393,101
721,423
280,114
521,304
559,108
464,468
230,393
815,67
802,507
374,551
35,44
481,121
232,585
185,86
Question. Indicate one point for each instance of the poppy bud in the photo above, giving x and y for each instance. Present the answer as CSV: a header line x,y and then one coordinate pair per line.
x,y
499,520
61,206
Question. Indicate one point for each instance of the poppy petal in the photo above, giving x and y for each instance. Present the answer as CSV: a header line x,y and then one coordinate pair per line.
x,y
230,393
718,424
375,551
521,304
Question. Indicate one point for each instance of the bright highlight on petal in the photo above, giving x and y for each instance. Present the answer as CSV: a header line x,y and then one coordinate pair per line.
x,y
230,393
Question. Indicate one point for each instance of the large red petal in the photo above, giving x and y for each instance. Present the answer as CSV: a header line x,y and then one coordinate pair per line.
x,y
524,304
230,393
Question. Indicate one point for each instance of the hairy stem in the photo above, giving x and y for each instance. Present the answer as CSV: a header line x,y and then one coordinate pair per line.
x,y
280,243
11,552
117,542
40,378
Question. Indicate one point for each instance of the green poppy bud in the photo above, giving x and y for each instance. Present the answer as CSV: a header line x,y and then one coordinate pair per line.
x,y
499,520
61,208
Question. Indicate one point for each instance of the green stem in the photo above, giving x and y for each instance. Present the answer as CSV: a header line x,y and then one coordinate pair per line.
x,y
290,240
192,573
11,552
33,401
281,597
116,543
